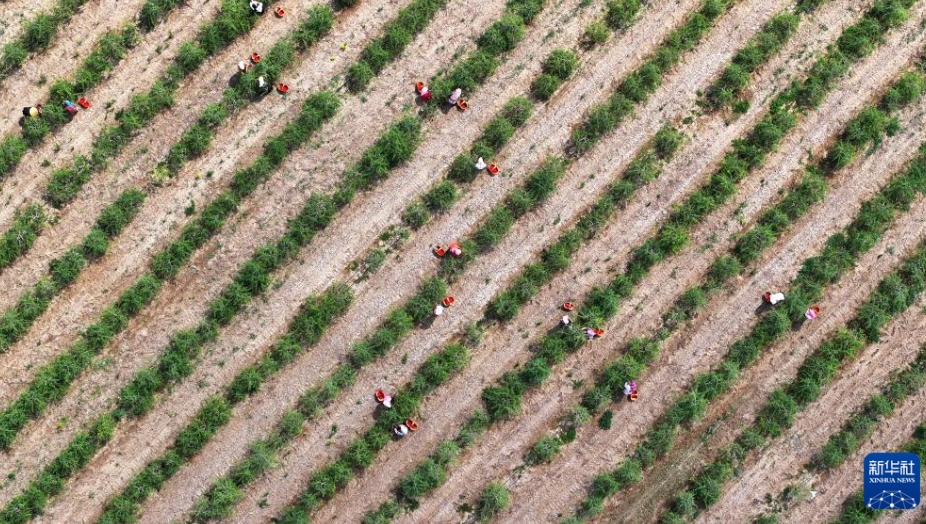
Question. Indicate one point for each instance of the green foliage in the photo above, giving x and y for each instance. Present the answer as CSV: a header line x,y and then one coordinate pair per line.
x,y
727,89
397,34
494,499
595,33
27,224
620,14
641,83
543,450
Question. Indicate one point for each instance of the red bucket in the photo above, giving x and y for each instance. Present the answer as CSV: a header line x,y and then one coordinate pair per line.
x,y
493,169
255,58
283,88
439,251
411,424
83,102
380,396
568,306
447,302
279,11
461,104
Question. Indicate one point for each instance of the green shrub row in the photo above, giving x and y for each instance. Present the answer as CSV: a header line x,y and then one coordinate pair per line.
x,y
710,385
234,20
313,319
360,454
27,224
108,51
863,422
494,136
176,363
894,294
494,499
619,15
51,480
316,23
728,88
499,38
855,510
538,186
646,166
557,68
53,380
429,473
746,350
394,147
397,35
643,82
867,129
17,320
155,11
726,267
37,35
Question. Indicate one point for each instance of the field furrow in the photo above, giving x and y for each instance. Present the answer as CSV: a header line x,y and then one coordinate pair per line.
x,y
534,408
715,330
165,212
833,488
783,462
192,299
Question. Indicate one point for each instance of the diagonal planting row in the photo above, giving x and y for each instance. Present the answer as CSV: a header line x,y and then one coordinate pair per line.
x,y
485,238
64,270
396,332
855,510
483,235
659,440
867,128
902,383
893,296
428,298
391,149
539,272
515,396
106,54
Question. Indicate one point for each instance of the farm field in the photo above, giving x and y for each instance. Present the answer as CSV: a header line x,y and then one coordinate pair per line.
x,y
258,222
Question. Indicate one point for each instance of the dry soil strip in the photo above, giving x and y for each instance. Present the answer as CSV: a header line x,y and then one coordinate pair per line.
x,y
378,483
194,294
892,433
80,410
129,256
74,40
533,408
196,91
783,462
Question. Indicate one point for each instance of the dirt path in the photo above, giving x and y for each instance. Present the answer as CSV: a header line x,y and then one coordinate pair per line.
x,y
125,272
231,250
200,88
135,74
783,462
833,489
72,44
534,409
18,12
150,231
